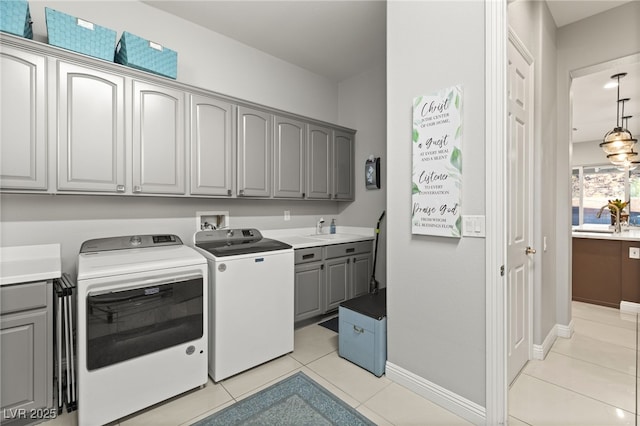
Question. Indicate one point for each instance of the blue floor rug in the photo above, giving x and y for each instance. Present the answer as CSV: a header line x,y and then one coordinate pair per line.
x,y
294,401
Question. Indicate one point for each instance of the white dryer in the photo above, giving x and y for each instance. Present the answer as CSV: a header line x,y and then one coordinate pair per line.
x,y
142,324
251,295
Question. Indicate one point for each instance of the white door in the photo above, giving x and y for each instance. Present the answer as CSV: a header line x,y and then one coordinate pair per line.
x,y
519,204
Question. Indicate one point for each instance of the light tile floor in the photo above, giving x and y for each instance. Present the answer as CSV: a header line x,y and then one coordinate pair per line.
x,y
586,380
315,353
589,379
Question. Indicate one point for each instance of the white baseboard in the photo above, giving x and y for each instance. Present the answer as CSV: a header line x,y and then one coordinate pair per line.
x,y
565,331
629,307
540,351
450,401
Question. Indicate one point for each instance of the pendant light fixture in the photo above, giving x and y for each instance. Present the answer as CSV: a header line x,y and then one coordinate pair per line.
x,y
618,143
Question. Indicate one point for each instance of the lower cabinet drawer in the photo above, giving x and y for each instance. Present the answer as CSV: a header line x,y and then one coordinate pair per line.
x,y
21,297
362,340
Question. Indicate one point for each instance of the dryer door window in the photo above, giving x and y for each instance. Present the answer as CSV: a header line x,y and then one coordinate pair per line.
x,y
131,323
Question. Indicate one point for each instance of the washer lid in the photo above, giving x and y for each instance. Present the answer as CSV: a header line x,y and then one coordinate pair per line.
x,y
232,242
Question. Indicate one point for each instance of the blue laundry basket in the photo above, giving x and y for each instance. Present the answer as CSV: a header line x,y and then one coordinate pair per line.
x,y
137,52
15,18
81,36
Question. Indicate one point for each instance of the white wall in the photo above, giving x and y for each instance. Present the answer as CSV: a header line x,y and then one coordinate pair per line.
x,y
214,62
582,44
436,286
587,154
362,105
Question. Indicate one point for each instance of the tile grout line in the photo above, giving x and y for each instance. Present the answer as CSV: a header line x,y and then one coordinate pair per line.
x,y
593,363
578,393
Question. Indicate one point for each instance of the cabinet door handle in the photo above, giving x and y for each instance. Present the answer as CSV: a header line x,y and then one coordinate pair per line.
x,y
358,330
241,192
228,192
351,250
322,267
308,256
120,188
137,188
348,261
303,195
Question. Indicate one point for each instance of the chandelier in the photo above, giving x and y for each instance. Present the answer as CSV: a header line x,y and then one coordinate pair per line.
x,y
618,143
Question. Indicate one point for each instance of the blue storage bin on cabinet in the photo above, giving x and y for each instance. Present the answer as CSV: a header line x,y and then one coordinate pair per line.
x,y
15,18
362,336
137,52
81,36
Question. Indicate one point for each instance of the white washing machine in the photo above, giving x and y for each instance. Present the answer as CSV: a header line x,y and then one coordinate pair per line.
x,y
251,295
142,324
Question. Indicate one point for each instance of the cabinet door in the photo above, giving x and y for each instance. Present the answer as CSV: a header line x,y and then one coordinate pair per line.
x,y
90,123
158,139
319,145
289,155
23,140
360,274
343,153
309,286
211,146
338,281
254,152
23,363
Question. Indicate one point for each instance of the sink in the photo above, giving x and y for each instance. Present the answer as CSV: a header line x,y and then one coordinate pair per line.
x,y
596,231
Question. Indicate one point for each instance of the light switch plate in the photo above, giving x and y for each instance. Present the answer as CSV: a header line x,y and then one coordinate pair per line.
x,y
287,215
473,226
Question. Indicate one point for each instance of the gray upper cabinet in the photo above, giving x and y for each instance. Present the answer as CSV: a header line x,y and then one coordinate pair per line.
x,y
254,146
319,149
158,139
211,146
343,164
23,140
90,129
289,158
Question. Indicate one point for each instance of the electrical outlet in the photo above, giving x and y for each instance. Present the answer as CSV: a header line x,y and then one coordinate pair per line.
x,y
634,252
287,215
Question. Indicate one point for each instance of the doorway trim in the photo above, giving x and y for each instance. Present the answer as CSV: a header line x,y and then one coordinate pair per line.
x,y
495,206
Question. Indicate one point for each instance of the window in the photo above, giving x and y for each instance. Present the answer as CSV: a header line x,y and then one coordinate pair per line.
x,y
592,187
634,196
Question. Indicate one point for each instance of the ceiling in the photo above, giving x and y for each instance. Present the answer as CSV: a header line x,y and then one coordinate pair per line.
x,y
341,38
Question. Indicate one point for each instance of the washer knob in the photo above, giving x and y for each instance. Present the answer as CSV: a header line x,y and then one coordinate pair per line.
x,y
136,240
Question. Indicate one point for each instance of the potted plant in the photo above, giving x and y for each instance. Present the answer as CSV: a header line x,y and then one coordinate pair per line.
x,y
624,216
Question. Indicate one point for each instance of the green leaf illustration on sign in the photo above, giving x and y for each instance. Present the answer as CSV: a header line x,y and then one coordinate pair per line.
x,y
458,132
456,159
458,226
457,102
416,135
415,189
417,101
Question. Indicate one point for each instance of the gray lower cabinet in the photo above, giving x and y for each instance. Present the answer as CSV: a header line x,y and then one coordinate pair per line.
x,y
211,146
158,139
90,129
23,139
26,347
289,151
327,276
255,140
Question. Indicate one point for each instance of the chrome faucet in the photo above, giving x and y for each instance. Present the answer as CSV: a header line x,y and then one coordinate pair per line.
x,y
617,228
319,226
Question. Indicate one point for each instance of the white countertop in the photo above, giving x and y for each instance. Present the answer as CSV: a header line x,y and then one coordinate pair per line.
x,y
605,232
307,237
29,263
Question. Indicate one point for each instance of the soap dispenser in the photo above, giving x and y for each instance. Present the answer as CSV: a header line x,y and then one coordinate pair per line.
x,y
332,228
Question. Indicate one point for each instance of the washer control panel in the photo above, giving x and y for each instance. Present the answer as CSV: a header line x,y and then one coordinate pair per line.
x,y
129,242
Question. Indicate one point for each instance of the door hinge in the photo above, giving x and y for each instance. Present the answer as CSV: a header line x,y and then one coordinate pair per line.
x,y
502,271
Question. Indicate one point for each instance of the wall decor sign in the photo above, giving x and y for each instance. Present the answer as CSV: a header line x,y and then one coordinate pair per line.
x,y
437,163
